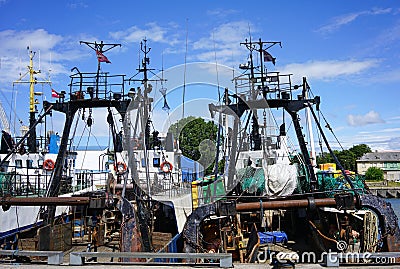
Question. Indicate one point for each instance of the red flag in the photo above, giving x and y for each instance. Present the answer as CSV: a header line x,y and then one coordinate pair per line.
x,y
54,94
101,57
268,57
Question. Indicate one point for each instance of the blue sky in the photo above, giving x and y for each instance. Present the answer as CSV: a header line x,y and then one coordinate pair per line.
x,y
348,50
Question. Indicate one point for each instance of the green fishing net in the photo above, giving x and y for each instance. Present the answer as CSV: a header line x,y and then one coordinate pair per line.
x,y
252,179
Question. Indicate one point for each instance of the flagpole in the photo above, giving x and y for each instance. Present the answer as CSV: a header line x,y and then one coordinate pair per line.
x,y
260,43
98,48
98,70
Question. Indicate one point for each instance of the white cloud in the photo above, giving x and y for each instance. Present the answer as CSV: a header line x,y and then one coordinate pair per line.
x,y
40,39
51,53
14,55
342,20
327,69
77,5
389,76
221,12
223,42
360,120
394,143
395,118
152,32
386,130
389,35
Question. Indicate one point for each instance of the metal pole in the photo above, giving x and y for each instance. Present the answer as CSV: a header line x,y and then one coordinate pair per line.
x,y
285,204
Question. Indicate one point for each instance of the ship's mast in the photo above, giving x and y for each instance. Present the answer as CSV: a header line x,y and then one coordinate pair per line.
x,y
143,106
32,147
77,100
282,100
257,46
146,101
99,48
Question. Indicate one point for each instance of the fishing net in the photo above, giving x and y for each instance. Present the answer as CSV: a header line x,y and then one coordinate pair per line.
x,y
329,184
252,179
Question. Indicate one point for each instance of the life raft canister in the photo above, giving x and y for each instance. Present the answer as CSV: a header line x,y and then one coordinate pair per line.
x,y
48,165
166,167
120,167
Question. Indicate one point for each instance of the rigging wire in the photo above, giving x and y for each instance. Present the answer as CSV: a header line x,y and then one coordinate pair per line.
x,y
327,125
184,73
330,129
12,108
18,226
81,136
86,148
219,116
319,135
75,128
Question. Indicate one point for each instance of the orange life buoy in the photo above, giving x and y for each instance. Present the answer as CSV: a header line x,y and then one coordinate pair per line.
x,y
166,167
120,167
48,165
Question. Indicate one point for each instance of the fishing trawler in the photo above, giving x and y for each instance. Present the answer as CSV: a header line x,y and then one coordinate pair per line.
x,y
268,199
141,176
26,167
271,198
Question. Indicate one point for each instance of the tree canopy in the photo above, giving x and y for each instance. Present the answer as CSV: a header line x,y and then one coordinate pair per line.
x,y
346,157
197,140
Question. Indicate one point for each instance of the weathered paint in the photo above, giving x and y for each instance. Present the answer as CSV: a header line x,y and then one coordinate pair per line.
x,y
130,234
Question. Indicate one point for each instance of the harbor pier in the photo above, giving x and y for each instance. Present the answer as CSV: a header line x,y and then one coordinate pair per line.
x,y
386,192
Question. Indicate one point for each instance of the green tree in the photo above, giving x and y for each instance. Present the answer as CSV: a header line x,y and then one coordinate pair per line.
x,y
360,150
324,157
347,158
374,173
197,140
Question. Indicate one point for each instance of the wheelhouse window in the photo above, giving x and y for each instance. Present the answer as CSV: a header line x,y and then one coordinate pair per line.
x,y
29,163
18,163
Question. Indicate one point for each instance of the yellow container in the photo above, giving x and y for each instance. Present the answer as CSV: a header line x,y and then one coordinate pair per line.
x,y
327,166
195,195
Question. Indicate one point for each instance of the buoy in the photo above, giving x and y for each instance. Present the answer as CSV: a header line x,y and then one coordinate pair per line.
x,y
120,167
48,165
166,167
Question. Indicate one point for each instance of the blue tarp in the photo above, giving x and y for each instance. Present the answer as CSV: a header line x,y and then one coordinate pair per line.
x,y
54,143
191,170
272,237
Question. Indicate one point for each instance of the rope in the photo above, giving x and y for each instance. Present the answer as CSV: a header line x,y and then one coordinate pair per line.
x,y
17,217
321,234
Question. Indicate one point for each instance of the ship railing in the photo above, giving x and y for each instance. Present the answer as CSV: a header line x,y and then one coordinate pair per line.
x,y
278,86
269,141
167,184
32,184
102,86
16,184
86,179
41,142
